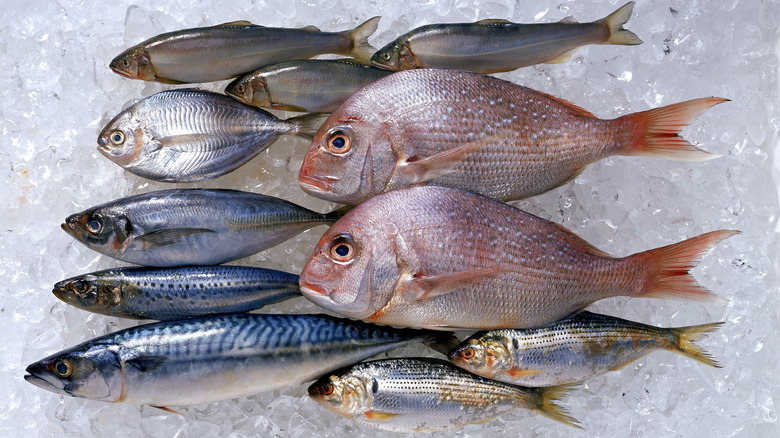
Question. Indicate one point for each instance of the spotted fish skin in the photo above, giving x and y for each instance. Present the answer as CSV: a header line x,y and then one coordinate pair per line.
x,y
177,293
181,227
426,395
180,363
577,349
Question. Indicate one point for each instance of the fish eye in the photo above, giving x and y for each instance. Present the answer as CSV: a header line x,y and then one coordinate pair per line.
x,y
386,55
117,137
342,249
339,142
125,63
79,286
324,389
241,88
62,368
467,353
94,225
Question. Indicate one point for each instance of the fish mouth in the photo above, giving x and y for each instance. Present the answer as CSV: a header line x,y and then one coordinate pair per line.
x,y
44,384
316,183
312,290
71,227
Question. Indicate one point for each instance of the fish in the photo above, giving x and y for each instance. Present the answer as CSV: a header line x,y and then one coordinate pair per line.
x,y
426,395
318,85
477,133
442,258
189,135
498,45
177,293
192,361
571,351
229,50
180,227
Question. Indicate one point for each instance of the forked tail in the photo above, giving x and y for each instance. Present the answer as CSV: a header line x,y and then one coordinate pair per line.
x,y
685,343
615,21
667,269
361,49
546,405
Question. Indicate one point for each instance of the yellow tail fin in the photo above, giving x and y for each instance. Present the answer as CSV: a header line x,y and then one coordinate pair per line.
x,y
685,343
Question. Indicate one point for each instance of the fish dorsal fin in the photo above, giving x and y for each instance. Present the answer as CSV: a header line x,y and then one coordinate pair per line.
x,y
569,20
574,109
169,237
311,28
586,246
423,287
245,23
489,21
428,168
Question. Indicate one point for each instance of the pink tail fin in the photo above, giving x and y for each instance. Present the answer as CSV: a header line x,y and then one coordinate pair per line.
x,y
667,268
659,131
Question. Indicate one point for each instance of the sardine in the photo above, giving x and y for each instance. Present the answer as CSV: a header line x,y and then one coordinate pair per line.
x,y
477,133
177,293
229,50
574,350
496,45
424,395
191,135
311,85
182,227
442,258
180,363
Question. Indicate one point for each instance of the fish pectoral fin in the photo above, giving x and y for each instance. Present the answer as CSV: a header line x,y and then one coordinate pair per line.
x,y
169,237
379,416
166,409
517,372
429,286
488,21
147,363
428,168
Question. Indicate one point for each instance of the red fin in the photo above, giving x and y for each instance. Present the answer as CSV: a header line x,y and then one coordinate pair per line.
x,y
661,128
519,373
167,409
669,266
574,109
429,286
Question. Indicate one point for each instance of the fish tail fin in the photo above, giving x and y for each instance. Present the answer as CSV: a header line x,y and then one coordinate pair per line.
x,y
660,131
666,269
361,49
337,214
442,342
307,125
615,21
685,342
545,404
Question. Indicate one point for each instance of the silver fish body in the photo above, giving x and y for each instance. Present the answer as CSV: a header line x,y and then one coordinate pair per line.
x,y
577,349
177,293
319,85
182,227
188,135
228,50
491,46
180,363
423,395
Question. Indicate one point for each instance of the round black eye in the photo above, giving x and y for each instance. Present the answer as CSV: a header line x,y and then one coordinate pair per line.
x,y
125,63
79,286
241,88
342,249
339,142
62,368
117,137
94,225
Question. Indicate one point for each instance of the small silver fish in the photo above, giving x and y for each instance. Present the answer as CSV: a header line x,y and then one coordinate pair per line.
x,y
494,45
177,293
188,135
582,347
182,227
318,85
228,50
425,395
180,363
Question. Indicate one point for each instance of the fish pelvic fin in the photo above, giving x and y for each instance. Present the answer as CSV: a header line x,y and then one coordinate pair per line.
x,y
659,131
307,125
361,49
667,268
166,409
518,373
615,21
545,404
685,342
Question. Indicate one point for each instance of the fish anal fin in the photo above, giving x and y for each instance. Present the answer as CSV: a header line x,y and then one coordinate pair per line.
x,y
428,168
516,373
379,416
428,286
167,409
562,57
169,237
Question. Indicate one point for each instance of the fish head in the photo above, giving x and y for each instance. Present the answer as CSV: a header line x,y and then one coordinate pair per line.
x,y
134,63
353,269
101,229
251,90
89,292
350,158
86,371
348,394
485,357
395,56
122,140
